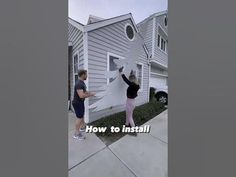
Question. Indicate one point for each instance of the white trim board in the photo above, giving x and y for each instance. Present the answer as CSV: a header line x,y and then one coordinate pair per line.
x,y
153,36
141,88
158,63
162,75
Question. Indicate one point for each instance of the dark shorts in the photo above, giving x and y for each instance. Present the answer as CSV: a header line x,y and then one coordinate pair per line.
x,y
79,109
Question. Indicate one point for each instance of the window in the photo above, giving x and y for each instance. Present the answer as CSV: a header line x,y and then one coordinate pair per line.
x,y
129,32
111,65
166,21
158,40
139,75
163,45
75,67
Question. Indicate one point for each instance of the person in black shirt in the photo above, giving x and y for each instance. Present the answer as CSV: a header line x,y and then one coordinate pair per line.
x,y
80,94
131,95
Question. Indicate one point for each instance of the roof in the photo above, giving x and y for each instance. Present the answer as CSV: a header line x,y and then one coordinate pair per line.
x,y
153,15
80,26
93,18
102,23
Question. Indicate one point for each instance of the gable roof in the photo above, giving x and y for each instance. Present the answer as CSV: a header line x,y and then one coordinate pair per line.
x,y
153,15
76,24
102,23
93,18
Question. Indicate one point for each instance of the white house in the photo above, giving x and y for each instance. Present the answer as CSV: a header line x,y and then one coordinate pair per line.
x,y
155,33
95,46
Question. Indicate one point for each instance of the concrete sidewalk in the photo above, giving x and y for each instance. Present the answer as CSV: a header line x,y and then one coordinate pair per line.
x,y
141,156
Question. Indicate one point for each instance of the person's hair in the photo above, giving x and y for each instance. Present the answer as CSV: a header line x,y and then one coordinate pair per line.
x,y
133,78
82,72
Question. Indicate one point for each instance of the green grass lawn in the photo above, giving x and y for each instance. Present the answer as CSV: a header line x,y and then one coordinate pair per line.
x,y
141,115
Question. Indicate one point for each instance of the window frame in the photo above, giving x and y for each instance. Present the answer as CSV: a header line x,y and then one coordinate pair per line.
x,y
128,24
164,43
108,62
165,18
136,74
73,65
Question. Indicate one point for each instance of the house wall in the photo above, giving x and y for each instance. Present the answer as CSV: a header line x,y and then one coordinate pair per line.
x,y
111,39
160,21
159,55
76,37
158,80
156,70
146,29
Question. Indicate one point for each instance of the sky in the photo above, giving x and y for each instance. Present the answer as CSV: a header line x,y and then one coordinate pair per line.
x,y
80,10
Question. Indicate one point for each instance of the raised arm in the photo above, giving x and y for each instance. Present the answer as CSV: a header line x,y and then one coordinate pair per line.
x,y
125,79
123,76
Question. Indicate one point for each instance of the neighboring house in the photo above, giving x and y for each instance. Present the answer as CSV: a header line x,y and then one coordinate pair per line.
x,y
94,47
155,34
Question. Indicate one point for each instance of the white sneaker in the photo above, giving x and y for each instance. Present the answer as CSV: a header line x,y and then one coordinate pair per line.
x,y
79,136
83,129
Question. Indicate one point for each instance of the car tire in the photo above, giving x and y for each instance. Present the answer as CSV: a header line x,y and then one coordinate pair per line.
x,y
162,98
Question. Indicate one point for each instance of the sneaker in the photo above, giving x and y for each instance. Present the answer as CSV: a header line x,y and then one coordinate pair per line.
x,y
79,136
82,129
127,125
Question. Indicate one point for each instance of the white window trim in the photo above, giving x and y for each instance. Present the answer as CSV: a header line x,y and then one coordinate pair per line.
x,y
160,44
128,24
73,65
108,61
141,87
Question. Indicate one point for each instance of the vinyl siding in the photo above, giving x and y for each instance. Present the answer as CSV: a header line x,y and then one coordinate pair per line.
x,y
146,29
156,70
159,55
76,37
110,39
